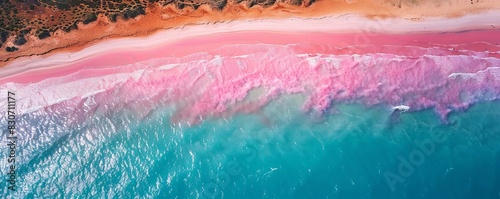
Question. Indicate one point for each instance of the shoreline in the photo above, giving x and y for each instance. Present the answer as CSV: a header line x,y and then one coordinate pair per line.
x,y
345,24
207,74
160,18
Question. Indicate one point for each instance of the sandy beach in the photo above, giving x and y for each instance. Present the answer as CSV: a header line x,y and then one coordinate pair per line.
x,y
206,68
158,18
191,39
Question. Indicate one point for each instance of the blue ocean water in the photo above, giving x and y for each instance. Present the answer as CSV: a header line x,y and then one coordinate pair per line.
x,y
352,151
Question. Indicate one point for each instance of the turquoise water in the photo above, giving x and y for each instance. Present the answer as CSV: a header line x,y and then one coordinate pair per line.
x,y
279,152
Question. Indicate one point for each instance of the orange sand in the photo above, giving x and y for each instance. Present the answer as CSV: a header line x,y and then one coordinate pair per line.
x,y
158,18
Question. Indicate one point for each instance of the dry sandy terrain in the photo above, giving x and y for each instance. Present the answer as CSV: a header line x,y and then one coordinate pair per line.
x,y
163,17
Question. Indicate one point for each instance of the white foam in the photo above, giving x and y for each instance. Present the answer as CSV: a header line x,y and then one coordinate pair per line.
x,y
402,108
168,66
338,24
494,71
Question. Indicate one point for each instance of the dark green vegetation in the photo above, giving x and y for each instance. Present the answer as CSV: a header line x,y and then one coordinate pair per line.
x,y
41,18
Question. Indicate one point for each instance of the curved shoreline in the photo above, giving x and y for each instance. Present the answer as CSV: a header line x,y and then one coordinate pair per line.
x,y
344,24
158,18
211,68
